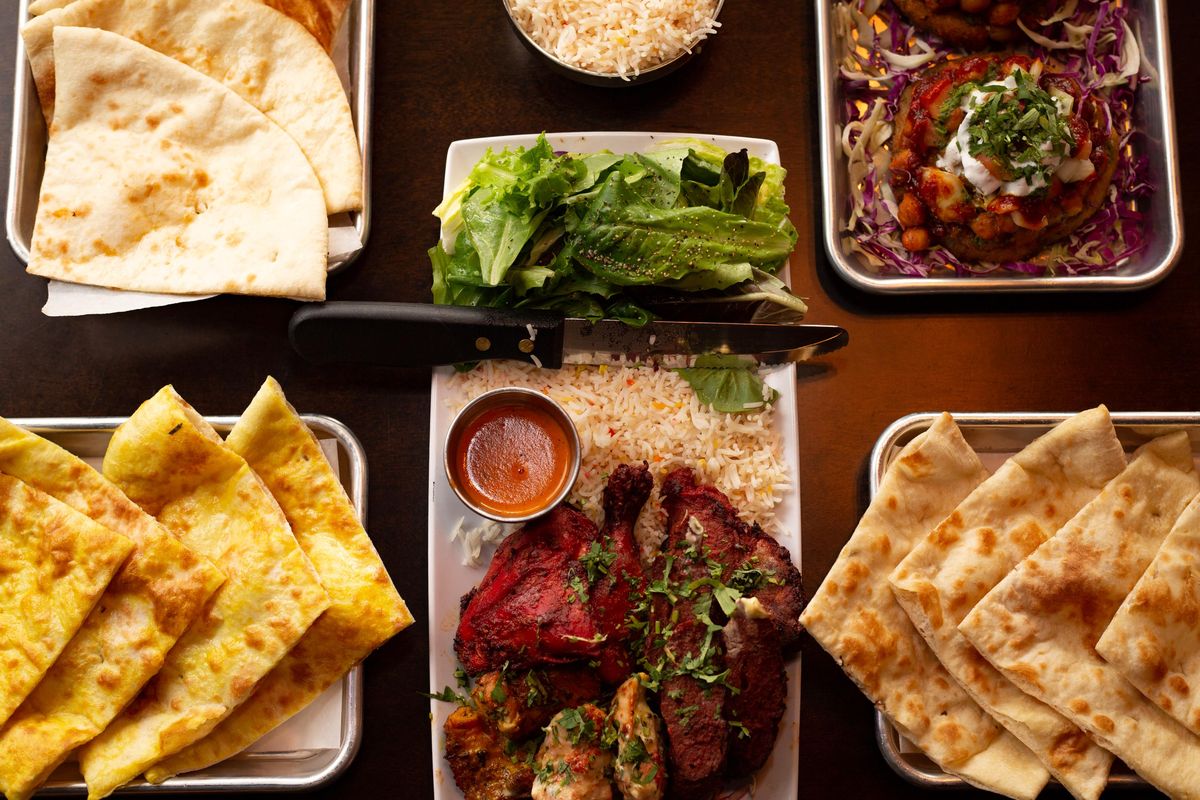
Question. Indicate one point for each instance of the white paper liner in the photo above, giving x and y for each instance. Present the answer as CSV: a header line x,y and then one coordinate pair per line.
x,y
77,300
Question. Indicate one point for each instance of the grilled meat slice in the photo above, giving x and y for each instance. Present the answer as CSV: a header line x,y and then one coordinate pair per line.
x,y
616,578
572,763
640,769
531,609
681,645
482,768
755,662
708,543
779,591
518,704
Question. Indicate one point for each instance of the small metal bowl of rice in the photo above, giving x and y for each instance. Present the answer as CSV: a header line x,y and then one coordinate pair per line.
x,y
614,42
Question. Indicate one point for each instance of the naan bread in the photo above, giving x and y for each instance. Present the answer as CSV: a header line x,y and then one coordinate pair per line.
x,y
1040,624
173,464
1154,638
365,609
159,179
54,564
39,7
155,596
857,620
261,55
1033,494
321,18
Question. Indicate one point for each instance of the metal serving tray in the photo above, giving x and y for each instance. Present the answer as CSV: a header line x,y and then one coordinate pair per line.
x,y
996,437
27,158
1154,114
300,769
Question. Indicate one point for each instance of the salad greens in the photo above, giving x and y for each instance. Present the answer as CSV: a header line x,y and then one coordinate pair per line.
x,y
729,384
606,235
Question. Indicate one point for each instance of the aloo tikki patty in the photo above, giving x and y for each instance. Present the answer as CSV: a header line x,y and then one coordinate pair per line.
x,y
995,157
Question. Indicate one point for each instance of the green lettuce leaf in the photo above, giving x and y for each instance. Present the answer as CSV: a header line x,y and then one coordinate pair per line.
x,y
729,384
628,242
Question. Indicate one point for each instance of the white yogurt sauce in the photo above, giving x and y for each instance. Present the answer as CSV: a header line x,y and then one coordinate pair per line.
x,y
957,158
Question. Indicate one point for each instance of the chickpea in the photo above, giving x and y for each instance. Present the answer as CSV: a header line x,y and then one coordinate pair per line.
x,y
975,6
985,226
1004,14
915,239
904,161
912,211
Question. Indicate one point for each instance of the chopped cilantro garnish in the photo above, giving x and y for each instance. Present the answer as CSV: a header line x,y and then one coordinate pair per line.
x,y
598,560
447,695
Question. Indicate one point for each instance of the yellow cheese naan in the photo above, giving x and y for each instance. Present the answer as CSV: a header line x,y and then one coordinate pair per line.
x,y
365,609
154,597
173,464
54,565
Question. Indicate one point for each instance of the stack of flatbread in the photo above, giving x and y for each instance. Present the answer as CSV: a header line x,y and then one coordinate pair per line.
x,y
1050,611
196,146
167,614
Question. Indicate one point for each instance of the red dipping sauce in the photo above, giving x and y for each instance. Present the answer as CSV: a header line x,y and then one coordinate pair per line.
x,y
513,460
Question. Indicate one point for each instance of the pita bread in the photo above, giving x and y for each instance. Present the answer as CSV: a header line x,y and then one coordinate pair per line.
x,y
1039,625
154,597
857,620
169,461
159,179
256,52
1154,638
54,565
1006,518
365,609
321,18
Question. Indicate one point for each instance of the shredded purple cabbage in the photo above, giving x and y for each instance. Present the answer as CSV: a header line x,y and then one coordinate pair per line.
x,y
1112,237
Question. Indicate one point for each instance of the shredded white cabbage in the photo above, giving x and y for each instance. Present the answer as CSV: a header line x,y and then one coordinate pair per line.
x,y
473,539
1067,9
865,154
1131,60
1077,36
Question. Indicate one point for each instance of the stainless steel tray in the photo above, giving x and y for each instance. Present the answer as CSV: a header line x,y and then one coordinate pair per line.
x,y
1155,114
301,769
28,152
995,437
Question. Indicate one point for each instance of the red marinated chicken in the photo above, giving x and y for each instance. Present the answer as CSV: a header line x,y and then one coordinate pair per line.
x,y
526,612
615,570
559,590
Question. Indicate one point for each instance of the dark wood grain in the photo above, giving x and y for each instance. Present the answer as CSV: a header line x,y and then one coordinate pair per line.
x,y
451,70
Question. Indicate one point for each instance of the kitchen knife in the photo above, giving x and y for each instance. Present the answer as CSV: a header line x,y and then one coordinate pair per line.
x,y
422,334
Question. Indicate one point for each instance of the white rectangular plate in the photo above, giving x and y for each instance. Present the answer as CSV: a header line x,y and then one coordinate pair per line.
x,y
449,579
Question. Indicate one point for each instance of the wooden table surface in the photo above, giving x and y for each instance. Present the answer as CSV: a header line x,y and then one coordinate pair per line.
x,y
453,70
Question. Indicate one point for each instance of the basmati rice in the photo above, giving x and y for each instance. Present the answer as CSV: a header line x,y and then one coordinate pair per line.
x,y
616,37
626,415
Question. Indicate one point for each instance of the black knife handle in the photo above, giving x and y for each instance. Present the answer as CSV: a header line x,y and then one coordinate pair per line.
x,y
423,334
